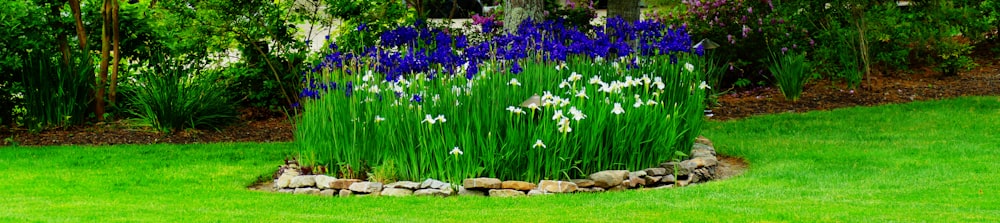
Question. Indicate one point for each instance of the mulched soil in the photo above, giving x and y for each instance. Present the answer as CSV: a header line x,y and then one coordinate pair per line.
x,y
260,126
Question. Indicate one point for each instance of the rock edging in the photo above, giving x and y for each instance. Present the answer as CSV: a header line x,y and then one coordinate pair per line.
x,y
700,167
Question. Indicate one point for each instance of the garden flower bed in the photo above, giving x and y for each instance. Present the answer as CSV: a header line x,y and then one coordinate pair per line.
x,y
547,103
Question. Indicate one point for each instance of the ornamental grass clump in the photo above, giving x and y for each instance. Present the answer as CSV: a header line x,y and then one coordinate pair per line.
x,y
791,72
545,103
174,95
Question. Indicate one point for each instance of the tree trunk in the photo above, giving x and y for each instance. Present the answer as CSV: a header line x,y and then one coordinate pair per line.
x,y
81,33
61,37
627,9
102,76
516,11
113,84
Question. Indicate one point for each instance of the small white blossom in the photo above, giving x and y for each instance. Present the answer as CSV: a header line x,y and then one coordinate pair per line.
x,y
562,102
515,110
456,151
533,106
538,143
564,126
605,88
704,85
577,114
440,118
564,84
429,119
575,76
596,79
513,81
582,93
638,101
558,115
368,76
689,67
651,102
659,84
618,109
547,95
379,119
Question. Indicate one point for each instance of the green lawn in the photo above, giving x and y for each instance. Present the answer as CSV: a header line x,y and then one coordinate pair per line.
x,y
927,161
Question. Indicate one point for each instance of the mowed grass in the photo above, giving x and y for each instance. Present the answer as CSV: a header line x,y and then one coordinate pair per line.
x,y
921,162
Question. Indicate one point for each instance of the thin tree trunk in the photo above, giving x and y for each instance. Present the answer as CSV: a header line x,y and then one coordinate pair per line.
x,y
113,84
454,5
516,11
102,76
859,18
61,37
81,33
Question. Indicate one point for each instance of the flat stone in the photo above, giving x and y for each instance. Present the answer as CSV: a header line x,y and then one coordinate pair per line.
x,y
670,166
306,190
366,187
650,180
430,192
303,181
609,178
682,183
617,188
702,150
283,181
463,192
551,186
346,193
404,185
668,186
703,140
638,174
668,179
286,190
482,183
396,192
634,181
583,182
505,193
537,192
656,171
447,189
699,162
328,192
431,183
323,181
343,183
517,185
590,189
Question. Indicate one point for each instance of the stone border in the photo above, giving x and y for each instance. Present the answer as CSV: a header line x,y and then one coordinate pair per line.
x,y
699,168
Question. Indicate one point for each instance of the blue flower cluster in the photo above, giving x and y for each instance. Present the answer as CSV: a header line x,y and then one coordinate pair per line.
x,y
416,48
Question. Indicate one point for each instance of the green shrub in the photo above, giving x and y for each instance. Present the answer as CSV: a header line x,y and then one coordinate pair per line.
x,y
953,53
791,72
176,95
56,94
